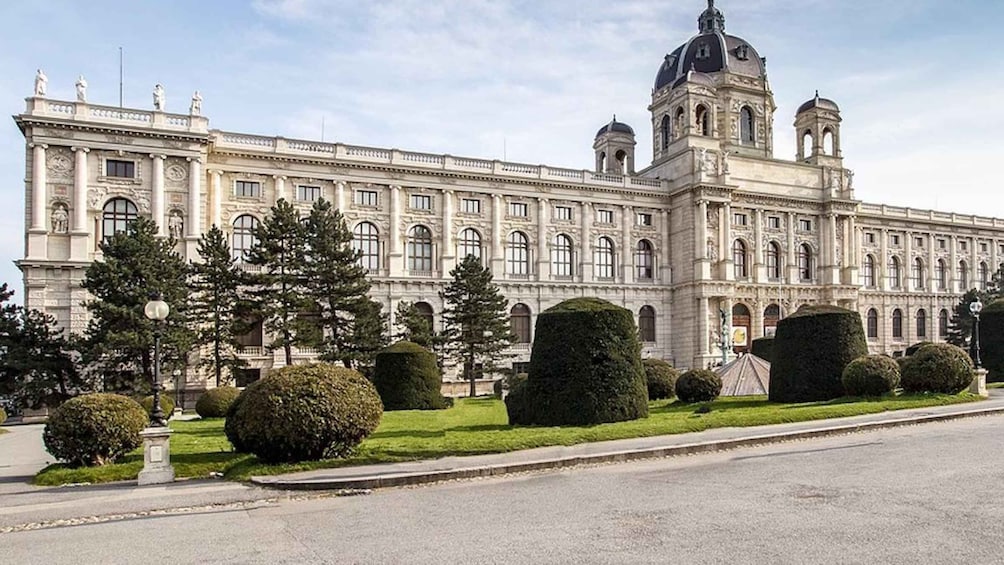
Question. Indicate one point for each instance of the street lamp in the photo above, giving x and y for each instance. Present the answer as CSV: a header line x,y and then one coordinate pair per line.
x,y
157,310
975,307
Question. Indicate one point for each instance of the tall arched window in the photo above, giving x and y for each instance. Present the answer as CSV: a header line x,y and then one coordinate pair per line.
x,y
603,258
805,262
921,323
747,126
828,142
872,323
895,273
942,274
643,261
420,249
963,276
561,256
665,132
984,275
646,324
424,310
773,261
739,265
943,324
679,121
243,239
517,254
519,323
897,324
366,240
117,215
918,273
469,244
703,120
868,272
771,316
807,142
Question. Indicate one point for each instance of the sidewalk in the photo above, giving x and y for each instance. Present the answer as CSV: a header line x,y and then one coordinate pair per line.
x,y
447,468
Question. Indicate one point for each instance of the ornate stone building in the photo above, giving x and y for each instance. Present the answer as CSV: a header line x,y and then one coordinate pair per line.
x,y
709,245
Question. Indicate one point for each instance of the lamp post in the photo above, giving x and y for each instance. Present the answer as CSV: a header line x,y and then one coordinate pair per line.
x,y
975,307
157,310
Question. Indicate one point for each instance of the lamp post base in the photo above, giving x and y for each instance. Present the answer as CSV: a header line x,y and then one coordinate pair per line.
x,y
157,468
979,384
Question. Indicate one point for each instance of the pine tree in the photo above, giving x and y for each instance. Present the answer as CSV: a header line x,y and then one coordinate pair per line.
x,y
136,265
369,335
43,358
414,326
474,317
10,376
960,328
277,294
216,284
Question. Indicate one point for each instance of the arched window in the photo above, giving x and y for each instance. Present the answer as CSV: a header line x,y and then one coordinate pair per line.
x,y
897,324
519,323
741,320
679,121
118,214
517,254
646,324
561,256
771,316
807,143
424,310
747,126
868,272
895,273
984,275
828,142
773,261
603,258
469,244
872,323
918,273
942,274
943,324
243,239
921,323
621,158
420,249
739,266
963,276
703,120
643,261
366,240
665,132
601,162
805,262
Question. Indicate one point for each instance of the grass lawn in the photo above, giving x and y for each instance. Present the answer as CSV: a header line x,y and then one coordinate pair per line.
x,y
478,426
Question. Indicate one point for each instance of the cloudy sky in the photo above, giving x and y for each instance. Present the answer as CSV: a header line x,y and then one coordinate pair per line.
x,y
918,81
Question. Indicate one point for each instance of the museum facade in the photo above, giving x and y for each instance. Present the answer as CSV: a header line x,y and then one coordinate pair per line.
x,y
709,245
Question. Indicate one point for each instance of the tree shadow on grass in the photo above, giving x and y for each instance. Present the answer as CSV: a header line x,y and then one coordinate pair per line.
x,y
480,428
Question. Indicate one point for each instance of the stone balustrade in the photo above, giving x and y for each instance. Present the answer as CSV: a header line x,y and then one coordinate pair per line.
x,y
113,115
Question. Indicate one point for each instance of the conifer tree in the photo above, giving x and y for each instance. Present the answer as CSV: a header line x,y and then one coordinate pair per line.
x,y
476,326
43,359
369,335
414,326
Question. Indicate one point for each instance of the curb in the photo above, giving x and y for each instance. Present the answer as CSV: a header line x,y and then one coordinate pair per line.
x,y
424,477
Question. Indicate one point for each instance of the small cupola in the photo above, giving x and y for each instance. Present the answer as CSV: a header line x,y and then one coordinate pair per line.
x,y
614,147
817,132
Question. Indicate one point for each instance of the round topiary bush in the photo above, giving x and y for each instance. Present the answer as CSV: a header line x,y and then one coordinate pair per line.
x,y
698,385
763,347
3,416
407,377
938,367
992,340
811,349
215,402
166,404
660,377
515,401
304,412
94,429
230,427
585,366
916,347
871,375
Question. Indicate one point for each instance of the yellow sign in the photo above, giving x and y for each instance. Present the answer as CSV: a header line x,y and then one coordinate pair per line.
x,y
739,336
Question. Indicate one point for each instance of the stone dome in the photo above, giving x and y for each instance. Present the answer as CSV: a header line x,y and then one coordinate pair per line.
x,y
710,51
615,127
821,103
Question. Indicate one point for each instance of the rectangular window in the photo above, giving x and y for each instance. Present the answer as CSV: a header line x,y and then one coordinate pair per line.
x,y
421,202
470,206
604,216
942,244
563,213
247,189
644,219
519,209
964,246
869,237
894,239
120,169
774,222
366,198
919,242
308,193
983,248
739,219
805,225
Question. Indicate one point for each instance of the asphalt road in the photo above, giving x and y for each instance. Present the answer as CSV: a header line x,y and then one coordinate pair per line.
x,y
922,494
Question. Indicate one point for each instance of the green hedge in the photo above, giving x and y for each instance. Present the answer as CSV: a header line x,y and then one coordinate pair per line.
x,y
871,375
166,404
698,385
940,367
94,429
407,377
763,347
515,402
992,340
304,412
215,402
585,366
3,416
811,349
660,377
232,424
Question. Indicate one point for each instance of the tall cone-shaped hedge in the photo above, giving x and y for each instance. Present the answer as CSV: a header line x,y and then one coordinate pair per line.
x,y
992,340
811,349
585,366
407,377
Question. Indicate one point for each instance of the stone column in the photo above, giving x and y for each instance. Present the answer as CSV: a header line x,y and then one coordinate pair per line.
x,y
396,255
216,209
726,272
448,256
759,265
586,245
157,198
194,198
38,240
280,187
791,258
666,267
883,261
831,273
932,270
702,266
497,241
627,248
79,228
703,333
973,265
543,256
954,283
340,196
908,283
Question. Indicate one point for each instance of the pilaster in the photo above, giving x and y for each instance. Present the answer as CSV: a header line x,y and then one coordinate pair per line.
x,y
396,255
157,198
38,239
79,230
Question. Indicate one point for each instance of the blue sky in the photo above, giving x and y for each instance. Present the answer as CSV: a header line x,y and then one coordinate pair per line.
x,y
918,81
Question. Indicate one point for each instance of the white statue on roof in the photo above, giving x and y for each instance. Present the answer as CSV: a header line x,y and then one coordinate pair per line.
x,y
41,83
158,98
81,89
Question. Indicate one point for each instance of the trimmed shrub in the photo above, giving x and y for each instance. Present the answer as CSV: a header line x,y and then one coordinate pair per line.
x,y
94,429
992,340
871,375
811,349
939,367
698,385
166,404
515,401
763,347
303,413
660,377
215,402
916,347
230,427
497,389
585,366
407,378
3,415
